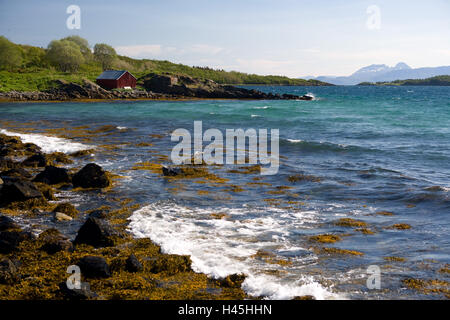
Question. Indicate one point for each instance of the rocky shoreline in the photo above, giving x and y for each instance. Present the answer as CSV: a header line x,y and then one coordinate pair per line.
x,y
153,87
35,262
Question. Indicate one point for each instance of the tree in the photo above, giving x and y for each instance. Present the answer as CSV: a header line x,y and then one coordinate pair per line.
x,y
105,54
83,44
65,55
10,54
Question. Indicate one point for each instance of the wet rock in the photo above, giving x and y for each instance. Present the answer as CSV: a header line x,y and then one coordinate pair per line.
x,y
232,281
19,191
94,267
67,209
6,164
91,176
132,264
36,160
99,214
171,264
97,233
10,240
77,294
53,241
7,223
53,175
171,171
15,173
8,271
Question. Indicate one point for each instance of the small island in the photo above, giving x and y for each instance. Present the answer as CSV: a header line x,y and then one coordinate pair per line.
x,y
433,81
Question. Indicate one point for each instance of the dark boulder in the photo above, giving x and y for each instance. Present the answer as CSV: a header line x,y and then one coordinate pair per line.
x,y
7,223
94,267
8,271
10,240
171,171
77,294
132,264
53,241
15,173
66,208
36,160
96,232
20,190
53,175
91,176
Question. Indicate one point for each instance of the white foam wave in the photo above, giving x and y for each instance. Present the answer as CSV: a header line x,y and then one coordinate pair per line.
x,y
294,140
220,247
264,107
48,144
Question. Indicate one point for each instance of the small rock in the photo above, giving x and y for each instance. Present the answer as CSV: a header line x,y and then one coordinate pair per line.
x,y
132,264
91,176
8,271
19,191
53,175
7,223
66,208
53,241
36,160
94,267
10,240
99,214
62,217
233,280
15,173
96,232
169,171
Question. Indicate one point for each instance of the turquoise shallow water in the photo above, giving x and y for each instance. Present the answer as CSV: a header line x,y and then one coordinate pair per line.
x,y
366,149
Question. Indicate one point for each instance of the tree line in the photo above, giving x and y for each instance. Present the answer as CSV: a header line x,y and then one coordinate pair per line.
x,y
66,54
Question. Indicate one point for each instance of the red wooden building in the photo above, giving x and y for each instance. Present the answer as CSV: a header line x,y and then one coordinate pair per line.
x,y
112,79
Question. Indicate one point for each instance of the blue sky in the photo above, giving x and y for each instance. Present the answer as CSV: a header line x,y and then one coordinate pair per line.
x,y
285,37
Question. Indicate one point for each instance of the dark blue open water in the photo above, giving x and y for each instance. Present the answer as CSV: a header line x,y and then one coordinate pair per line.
x,y
363,150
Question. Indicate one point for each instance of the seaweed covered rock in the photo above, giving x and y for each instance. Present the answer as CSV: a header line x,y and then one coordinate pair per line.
x,y
99,214
66,208
91,176
36,160
19,190
10,240
6,164
53,241
15,173
232,281
8,271
171,264
7,223
94,267
53,175
132,264
97,233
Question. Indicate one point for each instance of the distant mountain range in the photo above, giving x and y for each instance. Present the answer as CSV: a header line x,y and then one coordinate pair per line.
x,y
384,73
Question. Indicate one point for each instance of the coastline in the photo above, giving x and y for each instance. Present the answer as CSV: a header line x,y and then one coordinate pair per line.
x,y
38,258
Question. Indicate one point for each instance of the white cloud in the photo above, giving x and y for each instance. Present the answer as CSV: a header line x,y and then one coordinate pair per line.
x,y
157,50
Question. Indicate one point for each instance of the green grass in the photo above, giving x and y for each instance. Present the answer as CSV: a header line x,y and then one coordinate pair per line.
x,y
36,74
